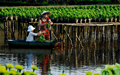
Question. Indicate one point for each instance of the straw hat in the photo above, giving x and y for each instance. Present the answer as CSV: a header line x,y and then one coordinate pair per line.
x,y
30,28
45,12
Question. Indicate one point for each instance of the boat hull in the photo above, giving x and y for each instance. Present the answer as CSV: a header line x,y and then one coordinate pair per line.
x,y
24,44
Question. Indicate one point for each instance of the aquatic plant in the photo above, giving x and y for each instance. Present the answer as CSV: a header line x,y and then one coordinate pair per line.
x,y
33,73
34,68
9,66
49,72
110,69
96,73
62,73
19,67
89,73
3,70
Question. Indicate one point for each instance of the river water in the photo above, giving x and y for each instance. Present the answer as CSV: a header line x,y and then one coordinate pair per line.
x,y
87,56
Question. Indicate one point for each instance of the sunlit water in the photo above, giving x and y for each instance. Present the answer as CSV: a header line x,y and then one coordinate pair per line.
x,y
74,61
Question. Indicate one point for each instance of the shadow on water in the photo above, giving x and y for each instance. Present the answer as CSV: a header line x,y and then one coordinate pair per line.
x,y
94,50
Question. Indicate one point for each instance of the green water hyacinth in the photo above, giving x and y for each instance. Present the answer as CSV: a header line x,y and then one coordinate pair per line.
x,y
117,65
27,73
96,73
110,68
13,70
49,73
12,73
34,68
9,66
17,73
106,72
33,73
4,72
89,73
19,67
2,68
117,71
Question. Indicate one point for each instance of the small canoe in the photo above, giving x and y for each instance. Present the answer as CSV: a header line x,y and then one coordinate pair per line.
x,y
36,44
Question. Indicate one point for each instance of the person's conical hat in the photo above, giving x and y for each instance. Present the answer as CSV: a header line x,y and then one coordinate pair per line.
x,y
45,12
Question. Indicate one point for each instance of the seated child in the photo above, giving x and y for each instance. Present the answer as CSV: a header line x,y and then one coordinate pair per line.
x,y
31,35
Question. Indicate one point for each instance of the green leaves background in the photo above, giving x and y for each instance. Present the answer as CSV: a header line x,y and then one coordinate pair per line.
x,y
76,12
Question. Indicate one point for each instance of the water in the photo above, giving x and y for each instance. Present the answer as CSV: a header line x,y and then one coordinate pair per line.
x,y
57,62
87,56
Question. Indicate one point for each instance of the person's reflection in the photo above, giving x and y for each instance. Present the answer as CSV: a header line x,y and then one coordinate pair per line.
x,y
30,59
44,63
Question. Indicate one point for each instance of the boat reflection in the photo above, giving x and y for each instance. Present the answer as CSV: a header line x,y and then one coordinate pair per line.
x,y
34,51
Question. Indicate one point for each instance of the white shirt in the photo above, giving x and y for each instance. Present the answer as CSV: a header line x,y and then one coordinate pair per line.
x,y
31,36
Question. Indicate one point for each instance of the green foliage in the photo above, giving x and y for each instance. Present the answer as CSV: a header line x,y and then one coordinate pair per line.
x,y
34,67
45,3
33,73
96,73
9,66
111,69
42,39
23,15
88,73
12,73
106,72
83,12
47,25
3,70
19,67
1,14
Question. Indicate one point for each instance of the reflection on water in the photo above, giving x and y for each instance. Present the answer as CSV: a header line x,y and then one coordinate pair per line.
x,y
87,56
30,58
27,58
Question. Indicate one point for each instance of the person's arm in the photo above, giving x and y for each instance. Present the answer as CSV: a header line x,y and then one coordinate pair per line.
x,y
39,33
41,24
36,34
50,22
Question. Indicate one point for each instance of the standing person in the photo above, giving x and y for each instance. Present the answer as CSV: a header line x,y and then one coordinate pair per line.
x,y
44,18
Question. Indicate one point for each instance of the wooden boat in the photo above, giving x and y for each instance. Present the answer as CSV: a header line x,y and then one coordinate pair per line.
x,y
36,44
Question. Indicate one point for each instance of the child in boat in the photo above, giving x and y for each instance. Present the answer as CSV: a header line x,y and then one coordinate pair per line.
x,y
44,18
31,35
